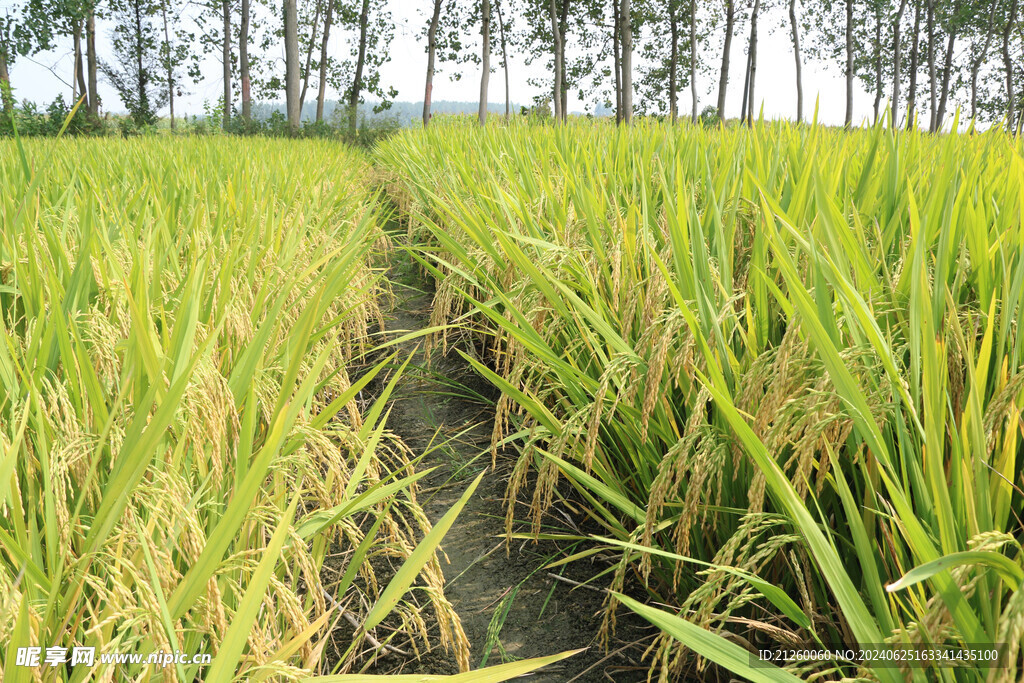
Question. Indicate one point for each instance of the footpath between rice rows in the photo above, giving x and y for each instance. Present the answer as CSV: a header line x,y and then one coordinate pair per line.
x,y
510,605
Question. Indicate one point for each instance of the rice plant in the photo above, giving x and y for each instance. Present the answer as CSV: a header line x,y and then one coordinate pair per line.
x,y
781,367
182,448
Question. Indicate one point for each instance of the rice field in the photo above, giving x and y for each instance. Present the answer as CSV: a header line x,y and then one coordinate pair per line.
x,y
768,383
778,371
184,448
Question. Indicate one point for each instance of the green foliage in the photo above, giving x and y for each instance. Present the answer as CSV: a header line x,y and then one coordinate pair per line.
x,y
786,356
538,113
181,444
33,122
136,71
709,116
367,134
25,29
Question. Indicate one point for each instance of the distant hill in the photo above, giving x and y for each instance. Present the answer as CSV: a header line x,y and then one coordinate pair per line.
x,y
403,113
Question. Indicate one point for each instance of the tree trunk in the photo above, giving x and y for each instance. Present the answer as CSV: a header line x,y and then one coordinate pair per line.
x,y
723,79
91,63
794,28
878,65
914,50
6,97
309,54
896,63
485,58
693,60
947,67
556,93
226,58
931,66
627,62
1008,63
673,68
563,30
746,88
243,63
357,80
83,88
169,65
431,49
849,64
617,58
976,64
74,79
143,81
322,87
291,62
753,62
504,57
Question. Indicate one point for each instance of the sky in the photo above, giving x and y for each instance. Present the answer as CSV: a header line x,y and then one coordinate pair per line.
x,y
47,74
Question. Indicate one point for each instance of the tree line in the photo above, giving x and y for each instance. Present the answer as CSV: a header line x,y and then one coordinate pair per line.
x,y
923,57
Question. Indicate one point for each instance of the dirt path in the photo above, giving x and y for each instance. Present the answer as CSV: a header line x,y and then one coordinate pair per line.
x,y
445,402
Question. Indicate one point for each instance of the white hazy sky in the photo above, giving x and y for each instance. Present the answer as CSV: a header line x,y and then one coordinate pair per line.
x,y
46,74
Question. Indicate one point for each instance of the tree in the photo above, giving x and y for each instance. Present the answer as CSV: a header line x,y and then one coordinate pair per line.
x,y
367,26
897,57
663,66
848,121
747,110
357,80
136,70
449,23
215,33
673,70
693,60
876,48
92,60
431,51
794,27
952,26
7,54
243,61
559,60
504,55
77,28
625,16
226,61
308,45
24,30
563,33
617,59
372,23
835,28
914,56
978,59
72,18
175,51
550,28
723,79
932,94
485,58
291,60
1008,62
322,87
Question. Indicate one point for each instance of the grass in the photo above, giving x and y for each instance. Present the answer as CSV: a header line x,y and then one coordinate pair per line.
x,y
781,366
